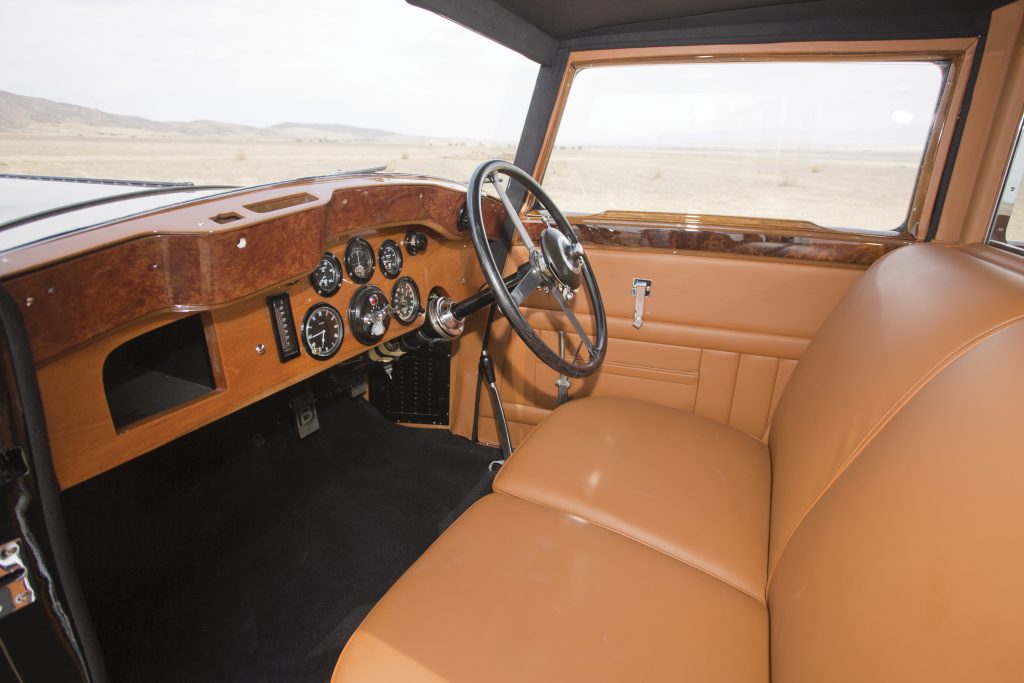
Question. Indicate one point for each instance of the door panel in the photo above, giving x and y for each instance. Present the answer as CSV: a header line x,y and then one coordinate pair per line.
x,y
721,337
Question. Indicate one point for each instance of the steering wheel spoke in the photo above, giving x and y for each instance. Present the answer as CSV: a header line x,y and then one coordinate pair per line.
x,y
527,285
513,215
584,337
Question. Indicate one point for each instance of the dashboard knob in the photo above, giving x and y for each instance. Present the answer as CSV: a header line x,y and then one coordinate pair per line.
x,y
415,242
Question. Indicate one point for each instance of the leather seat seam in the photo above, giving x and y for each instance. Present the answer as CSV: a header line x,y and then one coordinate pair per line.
x,y
884,420
634,539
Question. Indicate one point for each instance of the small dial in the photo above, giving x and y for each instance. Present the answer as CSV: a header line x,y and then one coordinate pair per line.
x,y
359,261
390,257
405,300
369,314
326,279
322,331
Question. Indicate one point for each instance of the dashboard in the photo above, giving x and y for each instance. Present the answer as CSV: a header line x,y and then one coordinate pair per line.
x,y
149,328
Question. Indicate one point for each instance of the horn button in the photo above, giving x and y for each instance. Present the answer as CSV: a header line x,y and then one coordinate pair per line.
x,y
564,257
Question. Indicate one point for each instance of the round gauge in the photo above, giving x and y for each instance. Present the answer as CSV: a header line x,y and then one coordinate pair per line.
x,y
405,300
359,260
326,279
322,331
369,314
390,257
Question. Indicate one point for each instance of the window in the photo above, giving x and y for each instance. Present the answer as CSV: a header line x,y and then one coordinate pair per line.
x,y
840,144
1008,223
234,93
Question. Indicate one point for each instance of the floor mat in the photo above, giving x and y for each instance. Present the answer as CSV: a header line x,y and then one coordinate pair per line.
x,y
240,553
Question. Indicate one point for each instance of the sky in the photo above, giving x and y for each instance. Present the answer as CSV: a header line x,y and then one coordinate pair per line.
x,y
386,64
372,63
870,104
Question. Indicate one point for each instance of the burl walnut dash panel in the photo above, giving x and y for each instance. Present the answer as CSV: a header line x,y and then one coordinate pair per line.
x,y
397,205
70,302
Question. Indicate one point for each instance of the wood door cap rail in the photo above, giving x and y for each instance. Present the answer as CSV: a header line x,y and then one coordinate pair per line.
x,y
753,238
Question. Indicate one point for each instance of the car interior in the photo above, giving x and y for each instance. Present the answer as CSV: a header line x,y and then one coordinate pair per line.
x,y
389,427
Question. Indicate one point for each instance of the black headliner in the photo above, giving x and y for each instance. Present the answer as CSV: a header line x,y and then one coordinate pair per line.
x,y
539,28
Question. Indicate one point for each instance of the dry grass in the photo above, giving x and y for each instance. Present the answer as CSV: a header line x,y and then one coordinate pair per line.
x,y
849,189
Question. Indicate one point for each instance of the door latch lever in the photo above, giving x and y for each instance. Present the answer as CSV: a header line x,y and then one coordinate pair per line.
x,y
641,290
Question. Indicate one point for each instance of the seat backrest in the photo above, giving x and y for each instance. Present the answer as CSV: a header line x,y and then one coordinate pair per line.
x,y
897,531
911,566
910,315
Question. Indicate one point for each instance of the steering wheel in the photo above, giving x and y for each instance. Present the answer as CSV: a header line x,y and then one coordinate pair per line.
x,y
557,266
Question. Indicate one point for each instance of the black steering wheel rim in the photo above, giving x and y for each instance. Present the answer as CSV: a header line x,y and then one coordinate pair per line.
x,y
504,299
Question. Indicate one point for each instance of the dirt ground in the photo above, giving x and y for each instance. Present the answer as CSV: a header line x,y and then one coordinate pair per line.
x,y
854,189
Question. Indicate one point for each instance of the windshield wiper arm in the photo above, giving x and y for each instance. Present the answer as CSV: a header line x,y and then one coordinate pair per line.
x,y
360,171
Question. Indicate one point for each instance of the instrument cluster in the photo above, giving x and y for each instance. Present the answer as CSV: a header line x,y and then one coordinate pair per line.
x,y
370,309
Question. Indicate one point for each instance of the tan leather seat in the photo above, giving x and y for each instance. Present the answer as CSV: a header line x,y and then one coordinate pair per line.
x,y
694,489
896,533
519,592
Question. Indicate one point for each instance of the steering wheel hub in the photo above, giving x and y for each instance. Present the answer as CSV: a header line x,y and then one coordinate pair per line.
x,y
563,256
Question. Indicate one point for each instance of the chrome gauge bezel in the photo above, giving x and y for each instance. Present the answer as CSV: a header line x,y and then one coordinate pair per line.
x,y
353,244
305,326
327,261
394,307
355,321
393,246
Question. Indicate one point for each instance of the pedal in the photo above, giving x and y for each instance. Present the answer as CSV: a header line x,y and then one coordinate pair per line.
x,y
304,412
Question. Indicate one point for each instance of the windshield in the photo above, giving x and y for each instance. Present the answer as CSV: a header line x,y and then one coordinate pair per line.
x,y
242,93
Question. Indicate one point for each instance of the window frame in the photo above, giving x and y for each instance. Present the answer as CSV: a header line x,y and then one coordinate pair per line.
x,y
958,52
990,237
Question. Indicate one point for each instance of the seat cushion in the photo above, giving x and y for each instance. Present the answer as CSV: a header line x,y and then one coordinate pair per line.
x,y
694,489
515,591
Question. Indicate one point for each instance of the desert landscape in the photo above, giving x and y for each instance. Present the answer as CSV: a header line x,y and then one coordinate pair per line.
x,y
852,188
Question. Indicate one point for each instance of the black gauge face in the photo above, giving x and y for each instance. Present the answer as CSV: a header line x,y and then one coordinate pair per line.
x,y
405,300
369,314
326,278
390,257
359,261
322,331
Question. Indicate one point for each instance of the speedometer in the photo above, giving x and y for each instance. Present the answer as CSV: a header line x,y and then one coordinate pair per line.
x,y
359,261
390,257
405,300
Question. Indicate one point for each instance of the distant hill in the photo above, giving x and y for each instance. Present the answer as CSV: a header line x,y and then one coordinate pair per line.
x,y
40,116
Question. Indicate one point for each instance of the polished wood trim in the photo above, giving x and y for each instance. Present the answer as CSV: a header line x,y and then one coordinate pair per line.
x,y
196,217
83,440
68,303
727,235
959,51
388,206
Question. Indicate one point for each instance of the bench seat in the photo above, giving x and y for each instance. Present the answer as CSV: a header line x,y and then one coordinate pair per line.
x,y
689,487
515,591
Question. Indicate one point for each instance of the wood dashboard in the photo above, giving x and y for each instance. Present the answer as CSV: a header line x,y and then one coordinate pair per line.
x,y
86,294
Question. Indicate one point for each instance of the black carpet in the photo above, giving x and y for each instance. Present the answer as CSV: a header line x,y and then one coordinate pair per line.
x,y
240,553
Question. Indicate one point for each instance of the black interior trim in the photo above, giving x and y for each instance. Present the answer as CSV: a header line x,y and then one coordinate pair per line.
x,y
501,25
49,500
574,26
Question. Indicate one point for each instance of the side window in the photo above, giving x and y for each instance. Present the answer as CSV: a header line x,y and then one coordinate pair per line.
x,y
1007,228
838,144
